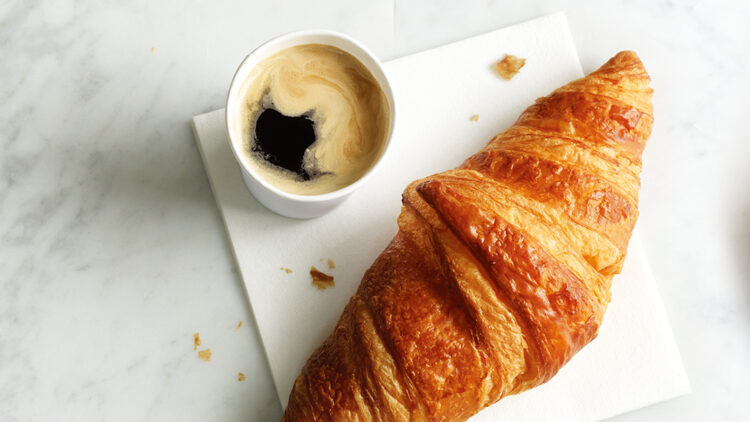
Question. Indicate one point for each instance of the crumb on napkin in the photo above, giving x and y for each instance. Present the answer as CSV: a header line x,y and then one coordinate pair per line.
x,y
331,265
239,324
509,66
286,270
241,377
204,355
474,118
196,341
321,280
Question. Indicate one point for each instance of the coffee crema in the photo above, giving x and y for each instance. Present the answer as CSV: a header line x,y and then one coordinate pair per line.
x,y
313,119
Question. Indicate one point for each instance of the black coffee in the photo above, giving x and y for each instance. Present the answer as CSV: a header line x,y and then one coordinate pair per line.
x,y
282,140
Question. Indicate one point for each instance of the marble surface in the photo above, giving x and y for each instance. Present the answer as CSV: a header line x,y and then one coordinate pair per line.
x,y
112,252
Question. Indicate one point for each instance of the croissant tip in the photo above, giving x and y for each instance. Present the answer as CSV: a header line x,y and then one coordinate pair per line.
x,y
625,59
628,55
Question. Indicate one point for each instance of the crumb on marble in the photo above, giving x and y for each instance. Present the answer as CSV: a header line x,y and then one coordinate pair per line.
x,y
204,355
321,280
196,341
331,264
239,324
286,270
152,49
509,66
241,377
474,118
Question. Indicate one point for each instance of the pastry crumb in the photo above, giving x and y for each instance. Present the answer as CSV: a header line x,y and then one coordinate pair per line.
x,y
509,66
321,280
241,377
204,355
239,324
331,265
286,270
152,49
196,341
474,118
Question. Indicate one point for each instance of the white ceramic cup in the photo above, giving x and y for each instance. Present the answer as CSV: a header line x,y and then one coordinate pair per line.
x,y
273,198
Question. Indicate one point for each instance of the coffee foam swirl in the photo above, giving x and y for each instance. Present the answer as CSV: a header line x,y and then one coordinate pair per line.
x,y
339,93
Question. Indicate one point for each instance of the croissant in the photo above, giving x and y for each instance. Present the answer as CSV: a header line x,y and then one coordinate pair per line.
x,y
501,268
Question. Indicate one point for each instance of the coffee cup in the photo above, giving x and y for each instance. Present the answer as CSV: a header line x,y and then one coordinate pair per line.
x,y
272,195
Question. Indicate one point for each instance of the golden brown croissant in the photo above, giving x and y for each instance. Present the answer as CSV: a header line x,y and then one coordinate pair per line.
x,y
500,271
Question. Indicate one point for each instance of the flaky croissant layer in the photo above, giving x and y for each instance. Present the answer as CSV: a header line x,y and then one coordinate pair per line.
x,y
500,271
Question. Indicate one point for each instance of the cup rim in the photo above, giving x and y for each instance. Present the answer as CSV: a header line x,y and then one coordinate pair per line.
x,y
385,86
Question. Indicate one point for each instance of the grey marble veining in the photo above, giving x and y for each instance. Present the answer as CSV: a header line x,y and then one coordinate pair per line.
x,y
112,252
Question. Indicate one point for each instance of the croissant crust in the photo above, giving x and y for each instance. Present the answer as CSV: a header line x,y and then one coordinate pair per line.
x,y
501,268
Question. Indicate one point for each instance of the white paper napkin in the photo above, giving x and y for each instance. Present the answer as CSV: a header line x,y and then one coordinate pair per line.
x,y
634,361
